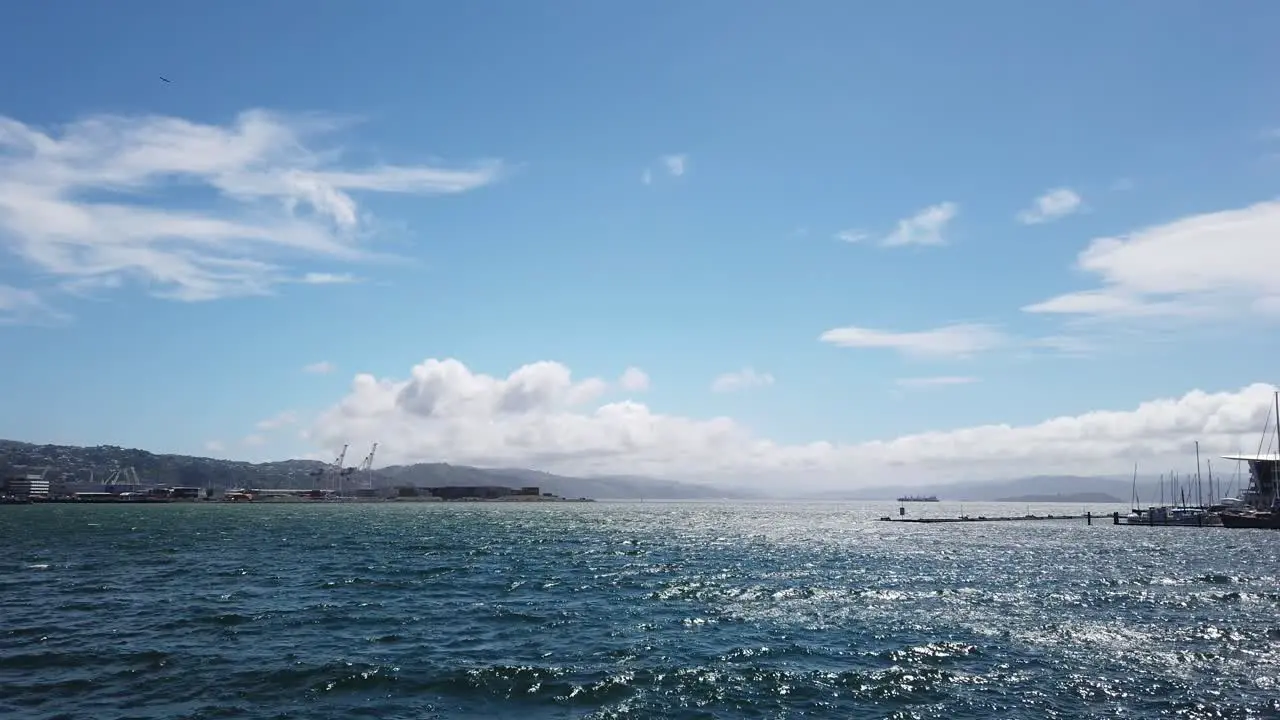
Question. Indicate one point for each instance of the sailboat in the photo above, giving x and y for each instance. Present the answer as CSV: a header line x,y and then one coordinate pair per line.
x,y
1260,504
1179,513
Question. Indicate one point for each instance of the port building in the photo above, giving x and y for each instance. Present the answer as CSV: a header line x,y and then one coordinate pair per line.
x,y
27,485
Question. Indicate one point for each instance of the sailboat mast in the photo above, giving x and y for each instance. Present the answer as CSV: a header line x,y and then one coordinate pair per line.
x,y
1275,466
1213,499
1199,494
1133,493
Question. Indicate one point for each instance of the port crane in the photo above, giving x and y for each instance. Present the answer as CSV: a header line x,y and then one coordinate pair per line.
x,y
334,475
334,471
122,476
366,469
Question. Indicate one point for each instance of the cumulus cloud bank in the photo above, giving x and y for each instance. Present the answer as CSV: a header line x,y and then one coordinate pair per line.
x,y
541,416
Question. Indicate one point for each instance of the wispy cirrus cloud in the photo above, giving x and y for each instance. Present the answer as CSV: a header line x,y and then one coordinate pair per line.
x,y
674,165
277,421
322,278
921,383
24,307
960,340
194,211
926,227
742,379
323,367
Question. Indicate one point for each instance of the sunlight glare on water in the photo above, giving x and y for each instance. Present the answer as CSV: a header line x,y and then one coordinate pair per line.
x,y
615,610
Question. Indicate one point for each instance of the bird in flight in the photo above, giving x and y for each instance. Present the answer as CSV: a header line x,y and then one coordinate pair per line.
x,y
165,79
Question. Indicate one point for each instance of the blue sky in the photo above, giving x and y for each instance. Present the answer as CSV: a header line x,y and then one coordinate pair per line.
x,y
669,188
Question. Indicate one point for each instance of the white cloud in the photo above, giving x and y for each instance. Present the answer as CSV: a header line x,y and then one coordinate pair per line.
x,y
1070,345
675,164
109,199
1211,265
741,380
950,341
254,440
319,278
283,419
925,227
215,446
536,417
634,380
324,367
931,382
852,236
1053,205
25,307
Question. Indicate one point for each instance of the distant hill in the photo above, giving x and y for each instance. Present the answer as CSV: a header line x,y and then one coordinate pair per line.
x,y
995,490
75,464
1085,497
626,487
69,463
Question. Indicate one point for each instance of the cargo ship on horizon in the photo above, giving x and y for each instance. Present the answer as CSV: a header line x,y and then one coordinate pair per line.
x,y
918,498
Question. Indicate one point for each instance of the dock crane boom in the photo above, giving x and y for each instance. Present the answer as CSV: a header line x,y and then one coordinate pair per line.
x,y
366,467
321,475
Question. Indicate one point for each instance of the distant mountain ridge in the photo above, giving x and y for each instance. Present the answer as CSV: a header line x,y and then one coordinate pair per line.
x,y
74,463
70,463
1092,498
997,490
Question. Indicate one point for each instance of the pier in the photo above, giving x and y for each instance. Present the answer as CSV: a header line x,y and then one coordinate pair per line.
x,y
1088,517
984,519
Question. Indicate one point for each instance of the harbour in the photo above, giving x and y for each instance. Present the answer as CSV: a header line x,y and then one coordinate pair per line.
x,y
1187,505
357,592
332,483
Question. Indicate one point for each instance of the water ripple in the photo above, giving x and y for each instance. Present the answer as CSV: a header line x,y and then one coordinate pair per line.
x,y
625,611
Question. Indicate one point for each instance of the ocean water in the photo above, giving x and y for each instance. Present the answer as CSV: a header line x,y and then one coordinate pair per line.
x,y
641,610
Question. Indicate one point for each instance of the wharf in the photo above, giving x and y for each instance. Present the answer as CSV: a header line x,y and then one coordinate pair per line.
x,y
981,519
1088,517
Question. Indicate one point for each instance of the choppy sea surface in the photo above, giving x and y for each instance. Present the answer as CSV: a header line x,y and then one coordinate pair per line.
x,y
627,610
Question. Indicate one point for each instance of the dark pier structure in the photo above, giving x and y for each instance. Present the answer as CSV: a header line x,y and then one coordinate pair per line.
x,y
984,519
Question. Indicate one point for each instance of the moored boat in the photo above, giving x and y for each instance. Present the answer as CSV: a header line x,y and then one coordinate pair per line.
x,y
1252,520
1199,517
1258,507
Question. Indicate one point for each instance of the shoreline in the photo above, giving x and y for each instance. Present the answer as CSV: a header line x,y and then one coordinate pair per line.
x,y
294,501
